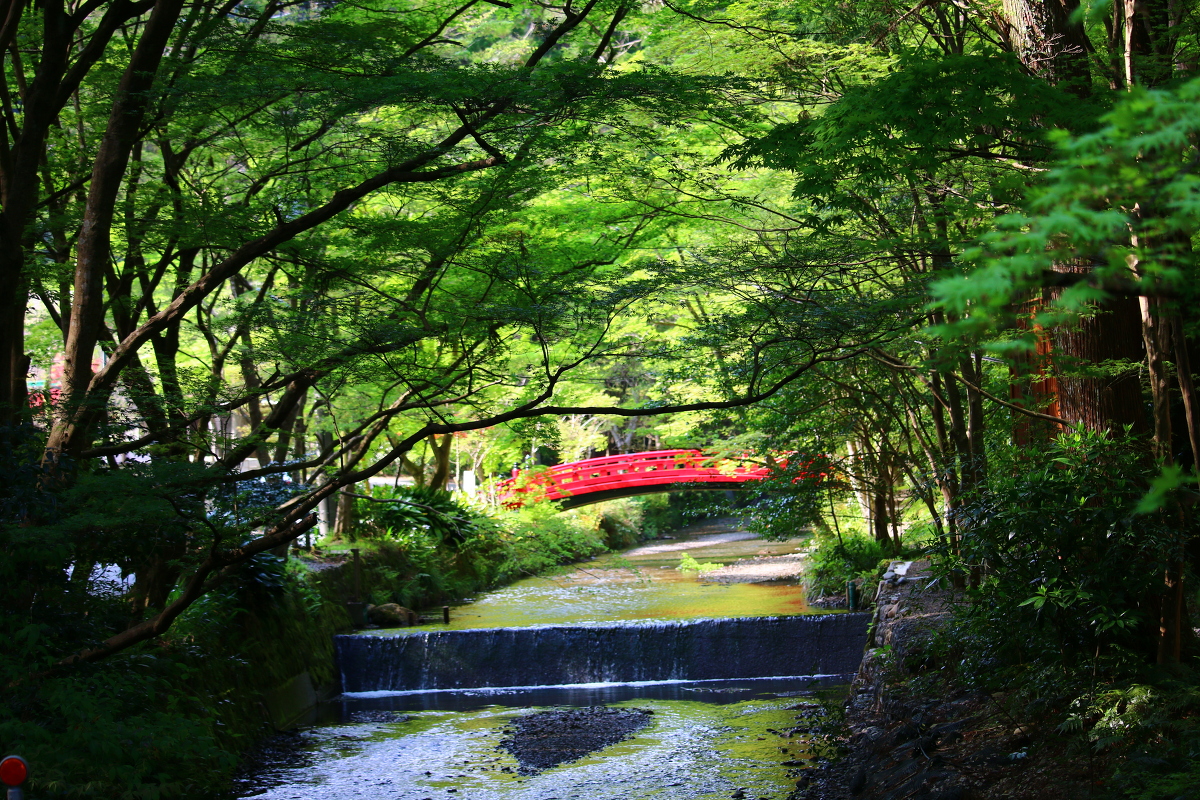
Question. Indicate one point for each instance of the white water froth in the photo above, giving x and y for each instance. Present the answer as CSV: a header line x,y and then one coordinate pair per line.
x,y
485,690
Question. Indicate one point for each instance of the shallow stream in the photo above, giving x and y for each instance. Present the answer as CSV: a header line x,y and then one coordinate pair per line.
x,y
712,738
644,584
691,749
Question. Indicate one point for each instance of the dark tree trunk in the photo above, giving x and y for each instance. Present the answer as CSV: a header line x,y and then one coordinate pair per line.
x,y
879,518
292,427
346,526
1032,383
1111,402
69,433
441,460
254,410
1156,338
1049,41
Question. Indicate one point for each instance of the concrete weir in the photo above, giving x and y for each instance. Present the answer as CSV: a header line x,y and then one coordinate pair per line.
x,y
555,655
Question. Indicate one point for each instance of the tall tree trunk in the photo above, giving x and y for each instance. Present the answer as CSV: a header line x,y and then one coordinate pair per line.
x,y
880,518
1148,35
293,427
1158,324
1172,613
346,527
856,483
1156,337
19,187
1187,388
894,515
971,369
441,459
1032,383
1050,41
1110,402
64,59
946,473
69,433
1148,31
254,409
300,443
328,506
960,440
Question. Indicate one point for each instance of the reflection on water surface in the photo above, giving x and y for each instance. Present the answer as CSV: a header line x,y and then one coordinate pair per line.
x,y
641,584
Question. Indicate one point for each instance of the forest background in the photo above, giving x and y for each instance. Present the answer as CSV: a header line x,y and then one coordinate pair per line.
x,y
254,254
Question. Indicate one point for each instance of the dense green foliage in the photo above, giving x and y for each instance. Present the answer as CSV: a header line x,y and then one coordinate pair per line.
x,y
413,566
167,721
170,721
254,255
1073,569
1058,620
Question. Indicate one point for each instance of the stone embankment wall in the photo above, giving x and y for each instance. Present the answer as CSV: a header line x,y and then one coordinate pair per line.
x,y
912,733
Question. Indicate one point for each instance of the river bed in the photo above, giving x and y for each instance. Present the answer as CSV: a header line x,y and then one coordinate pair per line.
x,y
705,739
691,749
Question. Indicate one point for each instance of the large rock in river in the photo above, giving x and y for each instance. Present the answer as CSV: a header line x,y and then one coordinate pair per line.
x,y
392,615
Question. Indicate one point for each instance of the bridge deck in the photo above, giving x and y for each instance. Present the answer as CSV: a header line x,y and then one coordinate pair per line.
x,y
595,479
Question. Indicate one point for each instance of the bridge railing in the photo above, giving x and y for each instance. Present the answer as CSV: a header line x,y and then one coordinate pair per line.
x,y
658,468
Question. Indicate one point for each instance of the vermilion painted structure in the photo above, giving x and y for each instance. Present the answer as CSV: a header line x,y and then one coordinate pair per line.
x,y
593,480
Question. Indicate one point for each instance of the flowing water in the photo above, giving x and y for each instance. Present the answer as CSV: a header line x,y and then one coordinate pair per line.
x,y
692,749
645,584
726,667
555,655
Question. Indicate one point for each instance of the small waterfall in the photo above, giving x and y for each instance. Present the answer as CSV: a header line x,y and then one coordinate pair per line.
x,y
692,650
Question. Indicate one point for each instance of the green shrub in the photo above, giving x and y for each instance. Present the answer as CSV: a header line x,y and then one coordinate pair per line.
x,y
122,729
833,561
623,522
1071,574
1066,608
1156,728
656,514
537,538
393,512
166,719
416,566
674,510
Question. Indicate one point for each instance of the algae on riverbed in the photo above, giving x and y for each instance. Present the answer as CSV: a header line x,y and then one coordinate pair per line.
x,y
690,750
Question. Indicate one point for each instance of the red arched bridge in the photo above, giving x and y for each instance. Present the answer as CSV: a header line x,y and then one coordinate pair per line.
x,y
593,480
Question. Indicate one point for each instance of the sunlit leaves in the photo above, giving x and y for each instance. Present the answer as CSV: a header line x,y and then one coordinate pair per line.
x,y
1124,200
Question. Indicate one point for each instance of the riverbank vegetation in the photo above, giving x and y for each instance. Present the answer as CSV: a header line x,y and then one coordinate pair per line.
x,y
260,259
172,720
